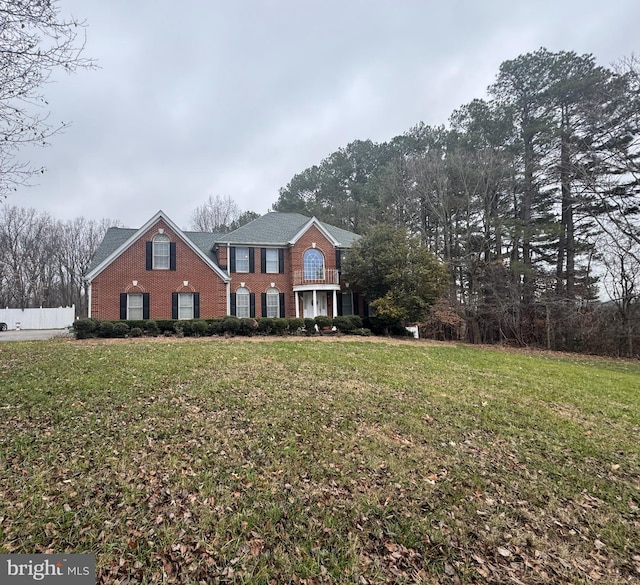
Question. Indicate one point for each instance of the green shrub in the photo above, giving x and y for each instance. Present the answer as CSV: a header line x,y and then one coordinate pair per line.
x,y
85,328
165,326
364,332
135,332
230,325
309,325
150,328
295,324
323,321
343,324
199,328
356,320
214,326
106,329
248,326
280,326
265,325
120,329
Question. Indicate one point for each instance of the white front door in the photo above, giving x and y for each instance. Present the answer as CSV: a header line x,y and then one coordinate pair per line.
x,y
307,304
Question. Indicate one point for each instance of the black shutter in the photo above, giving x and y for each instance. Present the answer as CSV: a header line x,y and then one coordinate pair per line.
x,y
263,260
233,304
252,304
263,302
281,260
232,260
174,305
282,305
149,255
252,260
339,304
196,305
339,259
172,256
356,304
365,307
145,305
123,306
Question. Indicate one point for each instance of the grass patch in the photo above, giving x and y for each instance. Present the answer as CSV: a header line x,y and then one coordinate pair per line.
x,y
321,462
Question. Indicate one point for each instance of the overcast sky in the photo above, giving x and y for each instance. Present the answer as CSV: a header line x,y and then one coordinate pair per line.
x,y
199,98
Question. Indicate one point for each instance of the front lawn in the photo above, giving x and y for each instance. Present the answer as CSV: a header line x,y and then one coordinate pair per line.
x,y
308,461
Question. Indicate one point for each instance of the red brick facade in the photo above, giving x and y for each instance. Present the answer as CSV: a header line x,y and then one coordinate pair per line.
x,y
118,278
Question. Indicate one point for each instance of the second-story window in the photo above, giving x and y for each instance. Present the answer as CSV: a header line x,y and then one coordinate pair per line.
x,y
242,259
313,264
161,252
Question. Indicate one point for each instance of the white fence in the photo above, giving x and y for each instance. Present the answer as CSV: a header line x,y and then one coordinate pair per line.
x,y
38,318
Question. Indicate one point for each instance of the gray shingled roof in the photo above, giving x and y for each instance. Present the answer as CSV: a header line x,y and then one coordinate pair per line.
x,y
113,239
273,229
278,229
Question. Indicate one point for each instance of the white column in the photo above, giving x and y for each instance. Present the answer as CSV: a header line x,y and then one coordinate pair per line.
x,y
335,304
297,305
89,303
315,303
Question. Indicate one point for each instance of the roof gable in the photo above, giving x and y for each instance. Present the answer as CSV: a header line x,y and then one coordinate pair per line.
x,y
284,229
118,240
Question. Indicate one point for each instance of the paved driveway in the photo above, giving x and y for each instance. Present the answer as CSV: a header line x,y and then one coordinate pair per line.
x,y
32,334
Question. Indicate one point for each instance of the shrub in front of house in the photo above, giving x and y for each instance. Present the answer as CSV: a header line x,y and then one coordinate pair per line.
x,y
199,328
105,329
323,321
214,326
135,332
309,325
344,324
230,326
150,328
280,326
120,329
295,324
85,328
248,326
165,326
265,325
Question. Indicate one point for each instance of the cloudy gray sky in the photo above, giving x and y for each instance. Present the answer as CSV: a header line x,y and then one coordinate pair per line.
x,y
234,97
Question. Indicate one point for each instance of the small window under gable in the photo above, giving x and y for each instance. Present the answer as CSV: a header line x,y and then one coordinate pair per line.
x,y
161,252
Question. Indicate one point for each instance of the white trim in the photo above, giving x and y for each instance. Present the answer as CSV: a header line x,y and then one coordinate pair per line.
x,y
139,233
89,303
308,287
323,231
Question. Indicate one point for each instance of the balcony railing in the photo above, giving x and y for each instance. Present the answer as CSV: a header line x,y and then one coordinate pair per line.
x,y
326,276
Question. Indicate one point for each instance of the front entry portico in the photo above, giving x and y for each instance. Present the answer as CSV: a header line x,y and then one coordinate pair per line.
x,y
313,308
316,302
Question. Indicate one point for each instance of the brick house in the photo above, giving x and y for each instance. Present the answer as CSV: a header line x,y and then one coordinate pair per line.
x,y
279,265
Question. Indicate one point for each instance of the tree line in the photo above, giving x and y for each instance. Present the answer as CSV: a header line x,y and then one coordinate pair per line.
x,y
530,195
43,261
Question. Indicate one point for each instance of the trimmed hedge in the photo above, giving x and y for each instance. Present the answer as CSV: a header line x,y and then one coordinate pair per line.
x,y
227,326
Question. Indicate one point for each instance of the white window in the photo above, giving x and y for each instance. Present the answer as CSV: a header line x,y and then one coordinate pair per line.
x,y
313,265
161,252
185,305
273,302
273,264
242,259
242,303
134,306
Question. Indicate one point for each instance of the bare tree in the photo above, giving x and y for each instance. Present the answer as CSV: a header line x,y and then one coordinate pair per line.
x,y
218,214
622,283
34,42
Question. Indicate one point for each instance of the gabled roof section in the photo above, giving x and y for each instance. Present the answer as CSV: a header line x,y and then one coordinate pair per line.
x,y
282,229
117,240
